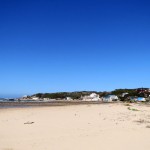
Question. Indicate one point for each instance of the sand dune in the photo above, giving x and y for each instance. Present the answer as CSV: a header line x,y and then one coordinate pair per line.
x,y
79,127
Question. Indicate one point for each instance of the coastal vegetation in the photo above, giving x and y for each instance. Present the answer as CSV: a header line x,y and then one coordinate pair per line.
x,y
62,95
80,94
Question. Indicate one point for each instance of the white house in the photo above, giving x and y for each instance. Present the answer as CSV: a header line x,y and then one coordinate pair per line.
x,y
110,98
35,98
92,97
46,99
69,99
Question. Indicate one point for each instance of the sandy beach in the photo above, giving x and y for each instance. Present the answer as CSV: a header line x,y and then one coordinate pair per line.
x,y
111,126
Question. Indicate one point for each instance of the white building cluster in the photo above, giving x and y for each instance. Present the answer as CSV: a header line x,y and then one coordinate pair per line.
x,y
91,97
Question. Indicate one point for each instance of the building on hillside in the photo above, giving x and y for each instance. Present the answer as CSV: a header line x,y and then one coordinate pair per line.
x,y
91,97
35,98
110,98
46,99
143,90
69,99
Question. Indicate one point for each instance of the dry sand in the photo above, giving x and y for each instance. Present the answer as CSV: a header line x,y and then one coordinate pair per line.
x,y
79,127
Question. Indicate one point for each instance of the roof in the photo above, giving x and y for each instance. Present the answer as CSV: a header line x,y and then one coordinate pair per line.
x,y
140,98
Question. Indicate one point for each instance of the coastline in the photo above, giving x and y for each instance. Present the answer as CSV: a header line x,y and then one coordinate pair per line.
x,y
23,104
48,104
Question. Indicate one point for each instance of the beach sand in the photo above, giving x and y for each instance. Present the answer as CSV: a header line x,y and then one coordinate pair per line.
x,y
77,127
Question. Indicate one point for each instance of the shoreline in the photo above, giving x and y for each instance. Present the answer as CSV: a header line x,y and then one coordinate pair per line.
x,y
47,104
22,104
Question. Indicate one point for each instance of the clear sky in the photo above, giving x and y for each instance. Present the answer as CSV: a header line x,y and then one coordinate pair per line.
x,y
65,45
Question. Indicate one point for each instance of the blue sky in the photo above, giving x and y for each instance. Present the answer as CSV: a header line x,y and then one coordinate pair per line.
x,y
56,45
